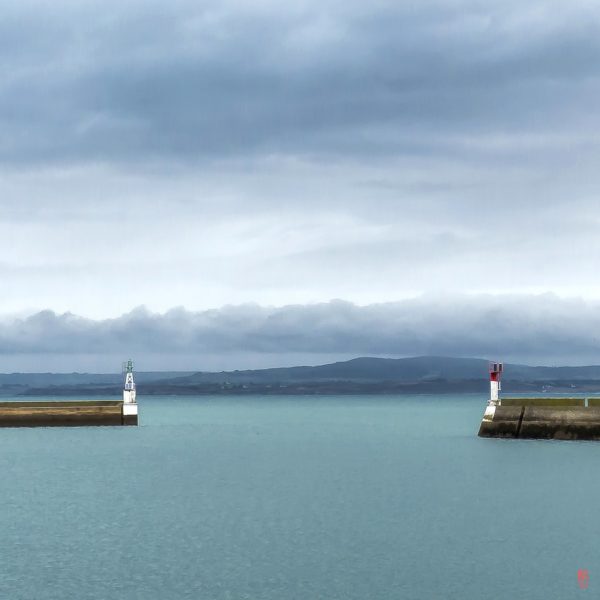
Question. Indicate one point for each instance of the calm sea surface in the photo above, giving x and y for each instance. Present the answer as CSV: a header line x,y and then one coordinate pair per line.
x,y
296,498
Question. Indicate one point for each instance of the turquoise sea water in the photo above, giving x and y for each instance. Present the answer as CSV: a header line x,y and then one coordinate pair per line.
x,y
296,498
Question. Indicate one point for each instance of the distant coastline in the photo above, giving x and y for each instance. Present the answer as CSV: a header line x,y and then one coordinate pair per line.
x,y
418,375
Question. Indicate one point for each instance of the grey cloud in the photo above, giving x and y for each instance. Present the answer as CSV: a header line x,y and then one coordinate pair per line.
x,y
542,329
138,81
227,152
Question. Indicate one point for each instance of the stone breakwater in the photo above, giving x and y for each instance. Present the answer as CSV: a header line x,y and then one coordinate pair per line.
x,y
64,414
543,418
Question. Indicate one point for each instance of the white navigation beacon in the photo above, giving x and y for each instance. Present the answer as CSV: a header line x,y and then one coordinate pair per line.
x,y
130,407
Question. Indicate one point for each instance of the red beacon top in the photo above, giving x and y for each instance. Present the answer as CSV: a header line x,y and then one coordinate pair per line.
x,y
496,371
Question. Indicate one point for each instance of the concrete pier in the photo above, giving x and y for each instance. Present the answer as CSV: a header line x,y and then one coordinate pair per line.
x,y
538,418
66,414
543,418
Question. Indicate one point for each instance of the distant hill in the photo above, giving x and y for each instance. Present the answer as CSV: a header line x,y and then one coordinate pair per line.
x,y
420,368
366,369
423,374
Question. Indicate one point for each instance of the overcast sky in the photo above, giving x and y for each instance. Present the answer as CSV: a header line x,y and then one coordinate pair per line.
x,y
427,164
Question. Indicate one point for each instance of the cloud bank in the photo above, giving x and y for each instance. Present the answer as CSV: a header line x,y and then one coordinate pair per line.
x,y
533,329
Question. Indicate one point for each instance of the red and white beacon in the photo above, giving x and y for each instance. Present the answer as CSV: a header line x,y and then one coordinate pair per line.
x,y
495,377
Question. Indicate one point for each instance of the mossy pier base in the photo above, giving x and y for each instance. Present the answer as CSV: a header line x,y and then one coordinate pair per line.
x,y
543,418
65,414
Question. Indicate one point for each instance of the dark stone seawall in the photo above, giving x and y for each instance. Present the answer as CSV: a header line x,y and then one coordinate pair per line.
x,y
572,420
63,414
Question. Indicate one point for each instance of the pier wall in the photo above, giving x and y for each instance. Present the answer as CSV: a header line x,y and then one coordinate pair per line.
x,y
64,414
543,418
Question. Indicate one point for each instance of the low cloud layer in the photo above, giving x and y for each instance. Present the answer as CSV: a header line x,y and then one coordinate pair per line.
x,y
533,329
